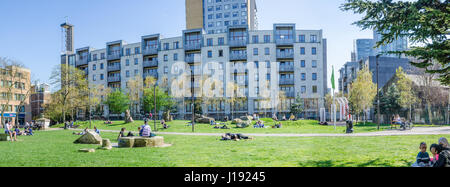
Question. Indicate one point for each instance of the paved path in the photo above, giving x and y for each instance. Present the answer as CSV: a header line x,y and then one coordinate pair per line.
x,y
414,131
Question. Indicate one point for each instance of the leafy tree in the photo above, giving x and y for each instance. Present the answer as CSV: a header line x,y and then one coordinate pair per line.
x,y
298,106
424,22
363,91
117,102
389,100
163,100
407,96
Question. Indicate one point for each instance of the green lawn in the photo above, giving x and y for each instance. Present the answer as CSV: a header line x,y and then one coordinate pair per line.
x,y
55,148
289,127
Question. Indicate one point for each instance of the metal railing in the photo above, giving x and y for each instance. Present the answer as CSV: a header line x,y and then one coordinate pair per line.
x,y
284,41
114,68
149,51
151,74
286,68
114,55
237,43
238,56
192,46
285,54
287,82
151,63
83,61
114,79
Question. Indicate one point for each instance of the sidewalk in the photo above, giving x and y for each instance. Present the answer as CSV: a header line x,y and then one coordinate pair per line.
x,y
414,131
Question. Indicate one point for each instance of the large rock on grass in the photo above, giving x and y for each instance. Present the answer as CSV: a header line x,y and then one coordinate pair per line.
x,y
106,144
244,124
126,142
236,121
4,137
89,138
246,118
87,150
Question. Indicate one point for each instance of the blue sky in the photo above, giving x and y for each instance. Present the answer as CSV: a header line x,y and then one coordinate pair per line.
x,y
30,32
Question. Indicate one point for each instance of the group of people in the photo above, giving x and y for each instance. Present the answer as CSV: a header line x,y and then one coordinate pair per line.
x,y
235,137
96,130
259,124
440,155
144,131
396,119
17,132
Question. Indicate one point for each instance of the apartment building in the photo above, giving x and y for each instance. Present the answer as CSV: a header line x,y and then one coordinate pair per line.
x,y
266,69
40,95
215,16
14,89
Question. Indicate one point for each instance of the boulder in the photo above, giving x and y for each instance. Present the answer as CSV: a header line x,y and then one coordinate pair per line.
x,y
236,121
106,144
126,142
89,138
205,120
246,118
4,137
141,142
128,118
244,124
157,141
87,150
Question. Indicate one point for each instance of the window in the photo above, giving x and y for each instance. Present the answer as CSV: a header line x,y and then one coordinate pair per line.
x,y
256,65
102,77
101,65
166,70
302,38
266,51
268,77
302,51
166,58
210,16
136,61
314,76
128,51
267,64
209,42
127,62
94,67
314,88
255,39
166,46
127,73
176,45
303,89
102,55
266,38
255,51
219,16
221,41
220,53
137,50
136,72
94,78
313,39
314,63
303,63
303,76
95,57
219,7
314,51
175,56
209,54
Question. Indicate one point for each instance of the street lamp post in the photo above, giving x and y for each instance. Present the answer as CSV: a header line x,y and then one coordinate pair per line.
x,y
154,98
378,95
192,99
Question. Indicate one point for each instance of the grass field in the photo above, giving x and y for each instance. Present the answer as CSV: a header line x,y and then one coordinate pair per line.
x,y
289,127
56,148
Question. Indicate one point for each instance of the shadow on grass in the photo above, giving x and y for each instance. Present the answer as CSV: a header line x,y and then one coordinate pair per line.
x,y
370,163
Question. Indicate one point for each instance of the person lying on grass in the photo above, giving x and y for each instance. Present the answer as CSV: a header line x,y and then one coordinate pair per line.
x,y
223,127
81,133
235,137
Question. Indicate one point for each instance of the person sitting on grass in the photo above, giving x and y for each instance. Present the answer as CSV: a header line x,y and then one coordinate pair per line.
x,y
277,126
259,124
164,124
435,149
17,131
121,133
235,137
443,142
140,131
423,159
29,131
96,130
9,132
444,154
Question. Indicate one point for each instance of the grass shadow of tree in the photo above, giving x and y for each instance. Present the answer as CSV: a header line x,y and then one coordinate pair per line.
x,y
330,163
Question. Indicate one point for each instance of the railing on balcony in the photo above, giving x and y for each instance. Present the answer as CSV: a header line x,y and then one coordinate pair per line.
x,y
285,54
285,68
114,79
114,68
238,69
149,51
114,55
151,74
151,63
192,46
284,41
238,43
289,94
190,59
238,56
287,82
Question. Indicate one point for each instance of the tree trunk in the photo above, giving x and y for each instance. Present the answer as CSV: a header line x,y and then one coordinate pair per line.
x,y
430,115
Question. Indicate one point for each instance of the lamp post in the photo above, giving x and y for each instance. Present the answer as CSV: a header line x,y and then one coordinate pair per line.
x,y
154,98
192,99
378,95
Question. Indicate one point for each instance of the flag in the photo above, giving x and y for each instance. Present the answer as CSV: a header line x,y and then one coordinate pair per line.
x,y
332,80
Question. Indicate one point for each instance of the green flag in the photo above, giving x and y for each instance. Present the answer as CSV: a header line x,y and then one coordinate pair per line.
x,y
332,79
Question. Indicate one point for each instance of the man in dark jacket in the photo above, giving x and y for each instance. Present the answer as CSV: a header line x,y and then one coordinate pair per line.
x,y
444,157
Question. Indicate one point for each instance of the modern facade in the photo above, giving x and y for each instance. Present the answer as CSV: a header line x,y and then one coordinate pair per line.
x,y
40,95
215,16
14,92
265,69
364,48
400,44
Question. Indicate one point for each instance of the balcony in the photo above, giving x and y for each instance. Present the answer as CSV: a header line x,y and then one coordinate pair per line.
x,y
114,79
290,94
83,61
285,54
151,74
284,41
287,82
191,59
237,43
114,55
151,63
238,56
238,69
286,68
114,68
149,51
192,46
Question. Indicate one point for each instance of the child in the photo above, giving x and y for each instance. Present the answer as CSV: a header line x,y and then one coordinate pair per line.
x,y
434,149
423,158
